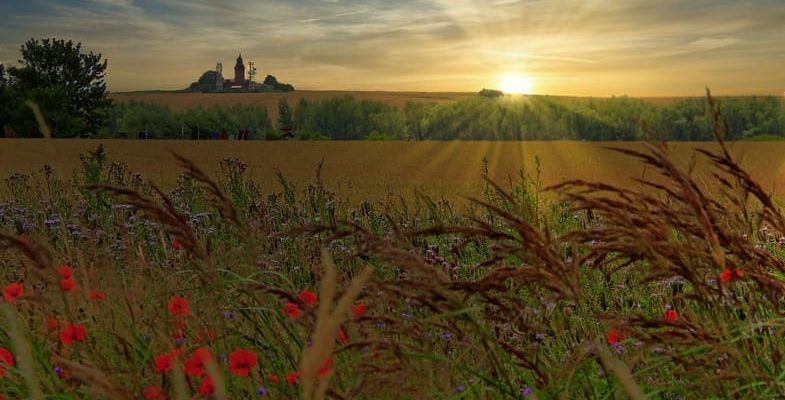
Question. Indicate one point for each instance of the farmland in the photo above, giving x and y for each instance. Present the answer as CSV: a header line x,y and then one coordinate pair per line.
x,y
372,170
231,285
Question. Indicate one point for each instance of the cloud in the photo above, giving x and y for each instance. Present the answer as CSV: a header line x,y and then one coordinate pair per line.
x,y
706,44
646,47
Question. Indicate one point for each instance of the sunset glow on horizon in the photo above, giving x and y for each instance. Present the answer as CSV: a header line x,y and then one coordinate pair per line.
x,y
584,48
517,84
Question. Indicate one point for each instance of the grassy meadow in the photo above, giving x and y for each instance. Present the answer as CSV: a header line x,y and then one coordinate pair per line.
x,y
225,283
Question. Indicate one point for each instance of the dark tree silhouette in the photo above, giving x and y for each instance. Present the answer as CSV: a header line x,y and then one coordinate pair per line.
x,y
67,83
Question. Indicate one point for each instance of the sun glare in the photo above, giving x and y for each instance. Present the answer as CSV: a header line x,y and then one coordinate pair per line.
x,y
516,84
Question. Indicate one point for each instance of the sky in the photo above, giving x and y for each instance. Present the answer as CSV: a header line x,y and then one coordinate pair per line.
x,y
568,47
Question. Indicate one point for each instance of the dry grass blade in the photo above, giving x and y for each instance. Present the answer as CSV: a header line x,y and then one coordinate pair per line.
x,y
622,373
24,354
43,127
328,321
214,372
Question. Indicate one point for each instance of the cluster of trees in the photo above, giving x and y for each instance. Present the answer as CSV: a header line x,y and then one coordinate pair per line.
x,y
132,119
66,84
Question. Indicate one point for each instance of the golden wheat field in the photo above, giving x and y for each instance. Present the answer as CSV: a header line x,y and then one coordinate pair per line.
x,y
372,170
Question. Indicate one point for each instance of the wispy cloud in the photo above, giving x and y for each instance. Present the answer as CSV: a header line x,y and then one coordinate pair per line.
x,y
345,14
539,56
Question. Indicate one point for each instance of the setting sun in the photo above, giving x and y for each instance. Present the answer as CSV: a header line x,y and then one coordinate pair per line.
x,y
516,84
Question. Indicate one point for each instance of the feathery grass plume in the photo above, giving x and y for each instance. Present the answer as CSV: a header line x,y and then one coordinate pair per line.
x,y
166,213
328,320
32,249
98,382
17,333
217,198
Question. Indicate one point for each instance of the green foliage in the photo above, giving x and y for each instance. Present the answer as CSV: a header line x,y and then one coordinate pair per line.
x,y
67,84
206,82
285,117
272,83
154,120
479,118
127,120
492,93
208,77
346,118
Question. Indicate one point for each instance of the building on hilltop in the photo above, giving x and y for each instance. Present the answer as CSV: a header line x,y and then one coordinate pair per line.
x,y
243,81
239,82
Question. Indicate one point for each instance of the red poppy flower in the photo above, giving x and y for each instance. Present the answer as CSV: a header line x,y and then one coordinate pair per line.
x,y
65,271
2,371
153,392
165,362
51,323
195,365
207,386
671,315
6,357
308,297
176,244
68,285
273,378
97,295
730,275
342,336
13,291
241,362
292,310
614,336
359,309
292,377
178,306
325,368
72,333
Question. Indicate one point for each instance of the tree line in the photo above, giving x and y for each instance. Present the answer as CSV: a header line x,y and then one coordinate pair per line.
x,y
534,118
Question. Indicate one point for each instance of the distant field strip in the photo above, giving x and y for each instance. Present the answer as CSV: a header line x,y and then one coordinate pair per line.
x,y
372,170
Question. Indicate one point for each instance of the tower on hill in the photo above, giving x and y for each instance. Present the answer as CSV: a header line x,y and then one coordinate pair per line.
x,y
239,71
